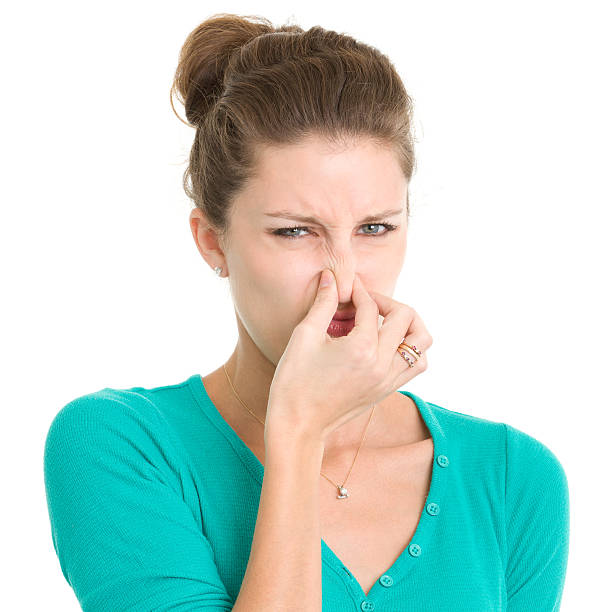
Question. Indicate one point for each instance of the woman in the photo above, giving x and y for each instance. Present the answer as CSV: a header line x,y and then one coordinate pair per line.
x,y
371,498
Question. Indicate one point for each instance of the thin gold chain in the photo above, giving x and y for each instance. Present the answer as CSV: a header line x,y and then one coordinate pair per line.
x,y
324,476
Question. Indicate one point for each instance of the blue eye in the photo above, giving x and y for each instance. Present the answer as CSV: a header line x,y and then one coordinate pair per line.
x,y
281,232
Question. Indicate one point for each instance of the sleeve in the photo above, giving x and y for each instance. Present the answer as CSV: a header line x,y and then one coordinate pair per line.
x,y
537,525
124,536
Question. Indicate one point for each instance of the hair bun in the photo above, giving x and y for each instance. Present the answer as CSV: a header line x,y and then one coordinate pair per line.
x,y
198,79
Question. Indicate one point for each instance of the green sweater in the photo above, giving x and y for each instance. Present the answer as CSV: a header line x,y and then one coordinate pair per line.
x,y
153,501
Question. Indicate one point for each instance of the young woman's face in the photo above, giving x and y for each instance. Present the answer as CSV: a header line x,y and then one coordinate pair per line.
x,y
357,201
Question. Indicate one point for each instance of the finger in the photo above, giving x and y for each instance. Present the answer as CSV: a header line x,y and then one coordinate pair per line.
x,y
418,344
398,317
407,366
325,303
405,373
366,315
398,327
402,323
384,303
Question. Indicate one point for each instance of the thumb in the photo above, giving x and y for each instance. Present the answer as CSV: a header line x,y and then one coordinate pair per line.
x,y
326,301
326,279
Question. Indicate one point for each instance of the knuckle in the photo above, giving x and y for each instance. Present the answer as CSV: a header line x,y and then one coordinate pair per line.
x,y
365,352
409,311
426,342
370,357
379,371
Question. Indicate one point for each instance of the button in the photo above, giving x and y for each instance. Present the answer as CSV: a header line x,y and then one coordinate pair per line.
x,y
386,580
367,605
433,509
442,460
414,550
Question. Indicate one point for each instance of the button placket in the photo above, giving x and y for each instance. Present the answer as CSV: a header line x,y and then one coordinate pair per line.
x,y
425,527
431,508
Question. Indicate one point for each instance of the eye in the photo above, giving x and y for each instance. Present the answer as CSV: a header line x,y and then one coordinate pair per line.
x,y
387,226
281,232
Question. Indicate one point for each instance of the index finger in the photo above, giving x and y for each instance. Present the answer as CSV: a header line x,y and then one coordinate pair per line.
x,y
387,306
384,302
366,321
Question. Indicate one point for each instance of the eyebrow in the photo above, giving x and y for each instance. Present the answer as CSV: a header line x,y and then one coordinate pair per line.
x,y
288,214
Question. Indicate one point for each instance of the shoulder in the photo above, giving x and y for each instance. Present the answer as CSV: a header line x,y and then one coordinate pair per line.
x,y
112,440
467,431
521,460
523,448
532,468
142,406
114,424
96,411
520,448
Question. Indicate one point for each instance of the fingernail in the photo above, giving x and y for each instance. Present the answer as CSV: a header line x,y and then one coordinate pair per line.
x,y
326,278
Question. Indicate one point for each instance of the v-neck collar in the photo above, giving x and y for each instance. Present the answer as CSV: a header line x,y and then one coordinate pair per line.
x,y
421,540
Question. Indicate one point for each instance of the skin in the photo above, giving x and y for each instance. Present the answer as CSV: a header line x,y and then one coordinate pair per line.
x,y
273,280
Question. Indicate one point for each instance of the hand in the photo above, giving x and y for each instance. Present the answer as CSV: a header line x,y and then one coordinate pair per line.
x,y
321,382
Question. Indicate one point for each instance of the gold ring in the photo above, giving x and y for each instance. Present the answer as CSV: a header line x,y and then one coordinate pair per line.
x,y
406,355
412,349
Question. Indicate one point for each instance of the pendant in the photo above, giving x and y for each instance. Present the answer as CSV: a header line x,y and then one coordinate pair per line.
x,y
343,492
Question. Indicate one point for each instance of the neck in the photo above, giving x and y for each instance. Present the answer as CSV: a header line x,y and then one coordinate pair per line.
x,y
247,386
343,439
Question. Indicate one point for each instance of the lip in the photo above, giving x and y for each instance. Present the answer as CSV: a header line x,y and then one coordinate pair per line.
x,y
344,315
338,328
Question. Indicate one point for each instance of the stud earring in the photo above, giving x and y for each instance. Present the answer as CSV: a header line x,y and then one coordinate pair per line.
x,y
218,271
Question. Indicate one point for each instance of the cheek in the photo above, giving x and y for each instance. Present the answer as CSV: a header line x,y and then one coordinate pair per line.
x,y
290,289
274,293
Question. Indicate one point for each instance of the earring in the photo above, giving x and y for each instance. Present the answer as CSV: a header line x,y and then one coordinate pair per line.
x,y
218,271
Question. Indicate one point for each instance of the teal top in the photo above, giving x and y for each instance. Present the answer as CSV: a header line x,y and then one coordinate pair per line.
x,y
153,501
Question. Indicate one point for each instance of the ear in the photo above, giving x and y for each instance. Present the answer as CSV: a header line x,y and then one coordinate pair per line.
x,y
207,240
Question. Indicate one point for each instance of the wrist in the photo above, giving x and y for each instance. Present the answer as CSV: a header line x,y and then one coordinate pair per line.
x,y
282,430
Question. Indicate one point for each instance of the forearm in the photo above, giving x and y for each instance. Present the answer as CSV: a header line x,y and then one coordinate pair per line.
x,y
284,569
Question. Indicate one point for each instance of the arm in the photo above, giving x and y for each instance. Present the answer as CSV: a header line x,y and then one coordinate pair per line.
x,y
284,568
537,525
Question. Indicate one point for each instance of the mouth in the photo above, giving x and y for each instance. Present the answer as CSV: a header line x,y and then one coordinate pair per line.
x,y
344,315
340,327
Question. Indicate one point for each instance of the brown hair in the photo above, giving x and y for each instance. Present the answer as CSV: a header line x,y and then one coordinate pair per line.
x,y
245,83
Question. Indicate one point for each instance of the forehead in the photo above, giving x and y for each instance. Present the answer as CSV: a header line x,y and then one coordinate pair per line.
x,y
328,181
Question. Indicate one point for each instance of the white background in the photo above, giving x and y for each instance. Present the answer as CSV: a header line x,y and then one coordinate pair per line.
x,y
508,258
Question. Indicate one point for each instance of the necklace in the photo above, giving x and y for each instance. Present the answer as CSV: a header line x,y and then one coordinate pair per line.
x,y
342,491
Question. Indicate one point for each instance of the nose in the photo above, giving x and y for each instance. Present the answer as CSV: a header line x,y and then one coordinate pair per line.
x,y
344,285
342,259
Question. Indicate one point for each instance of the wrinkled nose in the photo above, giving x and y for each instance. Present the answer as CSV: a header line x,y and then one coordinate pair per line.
x,y
344,287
